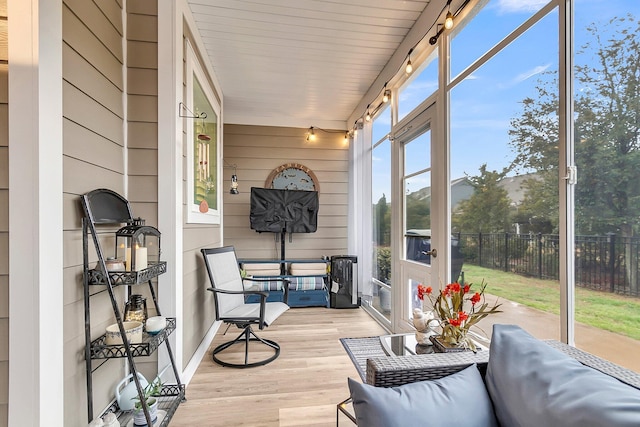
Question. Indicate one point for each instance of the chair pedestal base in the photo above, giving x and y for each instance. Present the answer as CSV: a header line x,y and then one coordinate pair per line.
x,y
245,338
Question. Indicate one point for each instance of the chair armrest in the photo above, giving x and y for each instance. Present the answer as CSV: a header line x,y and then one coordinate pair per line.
x,y
226,291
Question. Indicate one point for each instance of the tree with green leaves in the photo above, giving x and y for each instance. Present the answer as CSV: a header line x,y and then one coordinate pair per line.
x,y
607,132
607,135
382,222
488,208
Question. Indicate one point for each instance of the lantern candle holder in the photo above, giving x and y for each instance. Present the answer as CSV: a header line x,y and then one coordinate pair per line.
x,y
138,245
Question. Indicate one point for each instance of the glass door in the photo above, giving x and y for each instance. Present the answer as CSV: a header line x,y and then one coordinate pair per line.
x,y
415,252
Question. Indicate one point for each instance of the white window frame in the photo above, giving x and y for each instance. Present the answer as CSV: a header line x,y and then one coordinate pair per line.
x,y
194,68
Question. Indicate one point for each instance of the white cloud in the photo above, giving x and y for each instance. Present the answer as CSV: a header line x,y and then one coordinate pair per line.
x,y
530,73
520,6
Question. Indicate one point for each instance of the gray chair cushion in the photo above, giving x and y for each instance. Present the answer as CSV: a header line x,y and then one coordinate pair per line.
x,y
459,400
532,384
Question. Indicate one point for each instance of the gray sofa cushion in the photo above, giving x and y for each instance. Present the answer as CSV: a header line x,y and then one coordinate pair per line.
x,y
459,400
532,384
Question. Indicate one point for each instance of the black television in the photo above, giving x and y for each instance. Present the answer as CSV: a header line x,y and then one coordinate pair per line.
x,y
275,210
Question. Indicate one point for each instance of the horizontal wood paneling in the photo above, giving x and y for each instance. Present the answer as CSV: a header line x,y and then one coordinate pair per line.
x,y
143,189
142,7
142,81
148,211
142,27
143,108
90,147
198,310
142,54
4,253
98,24
76,34
93,148
4,83
142,135
257,150
81,177
82,109
4,296
4,125
143,162
86,78
4,391
112,9
4,39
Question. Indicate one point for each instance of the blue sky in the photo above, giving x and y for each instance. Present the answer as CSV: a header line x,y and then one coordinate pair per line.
x,y
485,102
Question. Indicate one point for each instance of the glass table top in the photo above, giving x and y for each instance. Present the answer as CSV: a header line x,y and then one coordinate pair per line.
x,y
404,344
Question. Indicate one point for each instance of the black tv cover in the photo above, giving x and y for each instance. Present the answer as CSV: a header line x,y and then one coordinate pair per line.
x,y
274,210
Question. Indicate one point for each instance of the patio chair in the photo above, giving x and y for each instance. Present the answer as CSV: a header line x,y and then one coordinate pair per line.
x,y
231,308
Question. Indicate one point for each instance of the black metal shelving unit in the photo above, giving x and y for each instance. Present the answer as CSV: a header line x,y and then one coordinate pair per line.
x,y
105,207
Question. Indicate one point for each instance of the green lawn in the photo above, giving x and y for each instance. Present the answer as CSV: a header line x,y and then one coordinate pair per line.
x,y
599,309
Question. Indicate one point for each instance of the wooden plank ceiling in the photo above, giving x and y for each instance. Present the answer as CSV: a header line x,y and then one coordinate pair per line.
x,y
300,62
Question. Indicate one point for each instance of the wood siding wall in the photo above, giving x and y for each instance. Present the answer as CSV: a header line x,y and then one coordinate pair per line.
x,y
93,157
257,150
4,218
142,129
198,305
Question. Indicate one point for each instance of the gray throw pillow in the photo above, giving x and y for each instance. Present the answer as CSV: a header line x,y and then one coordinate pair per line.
x,y
459,400
532,384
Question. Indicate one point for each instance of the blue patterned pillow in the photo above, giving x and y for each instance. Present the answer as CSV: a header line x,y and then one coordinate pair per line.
x,y
532,384
459,400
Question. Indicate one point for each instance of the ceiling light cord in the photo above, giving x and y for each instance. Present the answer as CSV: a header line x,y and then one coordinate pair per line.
x,y
408,65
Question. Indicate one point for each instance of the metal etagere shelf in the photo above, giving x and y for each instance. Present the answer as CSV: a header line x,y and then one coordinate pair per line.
x,y
105,207
117,278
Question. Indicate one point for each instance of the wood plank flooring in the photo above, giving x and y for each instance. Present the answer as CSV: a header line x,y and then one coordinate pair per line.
x,y
300,388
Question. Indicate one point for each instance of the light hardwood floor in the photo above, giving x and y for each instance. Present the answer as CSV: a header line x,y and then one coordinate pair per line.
x,y
300,388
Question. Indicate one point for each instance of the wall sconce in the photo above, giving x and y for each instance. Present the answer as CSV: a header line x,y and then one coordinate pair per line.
x,y
311,136
234,184
234,178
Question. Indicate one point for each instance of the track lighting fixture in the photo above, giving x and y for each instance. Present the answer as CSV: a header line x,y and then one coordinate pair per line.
x,y
346,137
367,116
386,95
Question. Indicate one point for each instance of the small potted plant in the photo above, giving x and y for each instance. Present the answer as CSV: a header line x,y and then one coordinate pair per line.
x,y
150,393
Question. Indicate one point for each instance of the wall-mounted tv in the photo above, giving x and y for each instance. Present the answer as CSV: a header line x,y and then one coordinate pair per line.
x,y
274,210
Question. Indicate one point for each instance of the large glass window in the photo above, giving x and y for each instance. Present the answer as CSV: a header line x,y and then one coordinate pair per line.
x,y
381,195
504,169
607,194
485,26
419,86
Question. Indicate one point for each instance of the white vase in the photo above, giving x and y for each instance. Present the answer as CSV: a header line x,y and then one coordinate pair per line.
x,y
138,416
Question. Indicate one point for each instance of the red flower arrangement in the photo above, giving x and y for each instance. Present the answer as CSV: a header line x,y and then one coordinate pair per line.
x,y
455,319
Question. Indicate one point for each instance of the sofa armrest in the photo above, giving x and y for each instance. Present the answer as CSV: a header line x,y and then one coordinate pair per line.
x,y
625,375
397,370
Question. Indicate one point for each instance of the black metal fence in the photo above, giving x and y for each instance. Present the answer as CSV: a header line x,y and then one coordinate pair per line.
x,y
606,263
